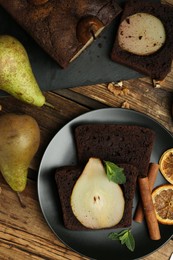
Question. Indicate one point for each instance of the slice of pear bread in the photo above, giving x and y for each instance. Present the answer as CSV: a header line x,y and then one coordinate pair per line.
x,y
61,28
139,36
130,144
66,178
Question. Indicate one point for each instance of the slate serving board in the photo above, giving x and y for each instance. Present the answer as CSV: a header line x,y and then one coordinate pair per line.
x,y
91,67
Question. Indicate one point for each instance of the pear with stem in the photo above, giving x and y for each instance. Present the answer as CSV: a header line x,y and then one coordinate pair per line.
x,y
19,141
16,75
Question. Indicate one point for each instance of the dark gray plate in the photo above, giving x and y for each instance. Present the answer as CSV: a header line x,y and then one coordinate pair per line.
x,y
61,151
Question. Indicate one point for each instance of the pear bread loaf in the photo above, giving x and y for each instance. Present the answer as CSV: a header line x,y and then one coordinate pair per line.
x,y
130,144
61,28
66,177
158,63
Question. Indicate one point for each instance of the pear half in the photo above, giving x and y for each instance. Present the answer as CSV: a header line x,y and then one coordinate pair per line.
x,y
97,202
141,34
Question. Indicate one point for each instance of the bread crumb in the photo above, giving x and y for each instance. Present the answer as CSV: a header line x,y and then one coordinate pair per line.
x,y
117,88
126,105
157,83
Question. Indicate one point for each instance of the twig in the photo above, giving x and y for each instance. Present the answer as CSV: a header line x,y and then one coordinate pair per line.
x,y
20,200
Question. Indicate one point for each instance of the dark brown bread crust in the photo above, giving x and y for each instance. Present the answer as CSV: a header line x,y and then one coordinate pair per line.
x,y
66,178
53,24
115,143
156,65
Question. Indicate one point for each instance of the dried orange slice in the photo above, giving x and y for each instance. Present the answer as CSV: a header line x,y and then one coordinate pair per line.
x,y
162,198
166,165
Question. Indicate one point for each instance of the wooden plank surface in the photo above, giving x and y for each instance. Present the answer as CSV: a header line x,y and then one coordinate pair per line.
x,y
24,233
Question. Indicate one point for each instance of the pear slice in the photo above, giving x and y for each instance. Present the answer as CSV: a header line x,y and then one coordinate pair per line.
x,y
141,34
97,202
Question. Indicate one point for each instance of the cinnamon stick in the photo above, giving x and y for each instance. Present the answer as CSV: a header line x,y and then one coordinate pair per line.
x,y
152,174
148,207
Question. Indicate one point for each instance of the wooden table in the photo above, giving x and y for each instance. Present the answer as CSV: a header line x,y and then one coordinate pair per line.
x,y
24,233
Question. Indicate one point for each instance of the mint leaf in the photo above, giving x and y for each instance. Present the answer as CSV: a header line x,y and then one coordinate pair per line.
x,y
114,172
113,236
121,233
125,237
116,236
130,242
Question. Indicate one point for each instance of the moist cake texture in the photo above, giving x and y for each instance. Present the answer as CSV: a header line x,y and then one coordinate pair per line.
x,y
130,144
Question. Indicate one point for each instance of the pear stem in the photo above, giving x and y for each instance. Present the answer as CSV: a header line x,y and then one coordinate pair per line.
x,y
20,200
93,34
49,105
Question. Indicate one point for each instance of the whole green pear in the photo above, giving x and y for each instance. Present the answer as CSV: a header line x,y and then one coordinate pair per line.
x,y
19,141
16,75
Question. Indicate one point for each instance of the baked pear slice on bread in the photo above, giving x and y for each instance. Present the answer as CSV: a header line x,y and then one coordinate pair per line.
x,y
96,201
144,39
66,177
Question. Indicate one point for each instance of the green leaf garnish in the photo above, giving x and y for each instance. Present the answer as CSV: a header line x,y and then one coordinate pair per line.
x,y
114,172
125,237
